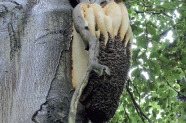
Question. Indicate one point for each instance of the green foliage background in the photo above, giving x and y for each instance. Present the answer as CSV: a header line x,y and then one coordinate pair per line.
x,y
164,62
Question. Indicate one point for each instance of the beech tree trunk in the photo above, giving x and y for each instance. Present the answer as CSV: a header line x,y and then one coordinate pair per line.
x,y
35,61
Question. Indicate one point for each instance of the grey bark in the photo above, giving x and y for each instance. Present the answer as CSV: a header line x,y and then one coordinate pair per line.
x,y
35,63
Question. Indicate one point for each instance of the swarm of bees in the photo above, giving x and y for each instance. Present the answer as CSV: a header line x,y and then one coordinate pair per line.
x,y
110,24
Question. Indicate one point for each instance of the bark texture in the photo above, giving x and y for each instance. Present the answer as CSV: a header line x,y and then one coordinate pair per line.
x,y
35,65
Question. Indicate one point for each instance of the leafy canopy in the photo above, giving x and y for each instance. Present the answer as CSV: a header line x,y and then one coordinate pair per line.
x,y
158,70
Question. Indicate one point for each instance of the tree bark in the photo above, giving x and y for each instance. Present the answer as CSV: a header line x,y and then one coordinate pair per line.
x,y
35,61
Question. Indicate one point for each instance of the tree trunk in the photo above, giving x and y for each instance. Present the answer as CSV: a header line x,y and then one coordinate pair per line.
x,y
35,61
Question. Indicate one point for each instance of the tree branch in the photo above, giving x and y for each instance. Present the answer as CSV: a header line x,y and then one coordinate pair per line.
x,y
155,13
92,43
136,105
135,89
126,114
171,87
165,32
162,13
139,112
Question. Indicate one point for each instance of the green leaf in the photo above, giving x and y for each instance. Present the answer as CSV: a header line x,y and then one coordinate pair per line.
x,y
156,38
154,54
164,59
173,93
183,60
151,30
166,63
141,41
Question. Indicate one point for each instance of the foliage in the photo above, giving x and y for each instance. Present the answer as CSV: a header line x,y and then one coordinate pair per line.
x,y
158,63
